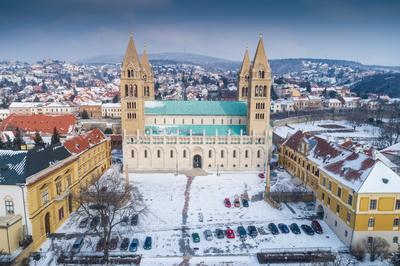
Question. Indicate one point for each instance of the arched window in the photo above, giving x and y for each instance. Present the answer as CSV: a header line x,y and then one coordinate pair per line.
x,y
243,91
247,91
135,91
209,153
256,93
234,154
265,91
184,153
126,90
133,153
171,153
129,73
259,154
158,153
130,90
145,153
222,154
246,154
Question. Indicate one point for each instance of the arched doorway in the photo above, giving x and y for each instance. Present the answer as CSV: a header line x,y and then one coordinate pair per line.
x,y
197,161
320,212
47,223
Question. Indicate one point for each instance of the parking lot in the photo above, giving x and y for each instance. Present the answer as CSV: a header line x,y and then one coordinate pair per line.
x,y
177,206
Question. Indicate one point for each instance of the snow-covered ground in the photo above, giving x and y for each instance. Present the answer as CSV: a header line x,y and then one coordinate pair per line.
x,y
330,129
177,206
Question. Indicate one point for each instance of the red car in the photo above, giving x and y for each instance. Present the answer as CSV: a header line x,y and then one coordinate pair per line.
x,y
316,227
261,175
227,203
229,233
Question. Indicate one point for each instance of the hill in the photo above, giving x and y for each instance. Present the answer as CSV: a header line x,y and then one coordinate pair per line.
x,y
388,83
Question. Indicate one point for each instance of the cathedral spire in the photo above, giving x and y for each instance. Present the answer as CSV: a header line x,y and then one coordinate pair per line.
x,y
131,55
144,61
260,55
244,69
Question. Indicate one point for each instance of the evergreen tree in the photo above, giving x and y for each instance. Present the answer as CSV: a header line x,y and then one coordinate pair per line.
x,y
55,139
18,141
8,145
39,143
2,144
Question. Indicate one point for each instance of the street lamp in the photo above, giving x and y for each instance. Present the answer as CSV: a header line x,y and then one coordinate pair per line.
x,y
22,185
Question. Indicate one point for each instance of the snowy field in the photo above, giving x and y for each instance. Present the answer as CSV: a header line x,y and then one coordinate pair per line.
x,y
177,206
330,129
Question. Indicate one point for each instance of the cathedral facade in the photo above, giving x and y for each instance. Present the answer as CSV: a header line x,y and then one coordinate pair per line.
x,y
181,135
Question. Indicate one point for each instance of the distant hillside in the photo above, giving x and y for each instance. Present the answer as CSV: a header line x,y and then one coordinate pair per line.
x,y
380,84
279,66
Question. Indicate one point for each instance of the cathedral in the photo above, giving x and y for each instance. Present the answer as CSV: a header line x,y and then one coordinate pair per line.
x,y
181,135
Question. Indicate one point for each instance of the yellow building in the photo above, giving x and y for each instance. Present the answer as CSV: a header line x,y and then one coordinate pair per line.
x,y
37,184
357,195
10,233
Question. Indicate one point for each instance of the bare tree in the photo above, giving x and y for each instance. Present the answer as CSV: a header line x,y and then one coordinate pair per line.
x,y
109,199
377,247
358,251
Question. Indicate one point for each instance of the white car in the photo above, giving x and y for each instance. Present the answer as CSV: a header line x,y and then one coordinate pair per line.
x,y
208,235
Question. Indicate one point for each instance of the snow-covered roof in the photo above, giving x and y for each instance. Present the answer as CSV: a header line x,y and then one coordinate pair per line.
x,y
111,105
381,179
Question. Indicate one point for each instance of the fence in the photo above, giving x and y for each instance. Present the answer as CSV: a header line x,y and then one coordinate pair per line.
x,y
292,196
121,260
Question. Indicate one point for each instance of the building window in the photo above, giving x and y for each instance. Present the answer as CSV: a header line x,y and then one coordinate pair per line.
x,y
246,154
348,216
330,185
132,153
171,153
222,154
45,196
323,196
323,181
397,204
145,153
329,200
61,213
58,187
350,200
69,180
371,222
9,207
184,154
396,222
339,192
259,154
337,208
209,154
158,153
372,204
234,154
395,240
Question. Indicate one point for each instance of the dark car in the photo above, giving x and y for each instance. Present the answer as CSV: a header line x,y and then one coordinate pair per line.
x,y
76,247
295,229
100,245
134,245
114,242
315,225
147,242
83,223
195,237
283,228
134,219
252,231
236,202
307,229
124,244
245,203
95,222
219,233
242,232
274,230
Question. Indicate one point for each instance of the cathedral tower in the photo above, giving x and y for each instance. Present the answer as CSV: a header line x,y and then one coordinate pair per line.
x,y
244,78
148,76
132,91
259,96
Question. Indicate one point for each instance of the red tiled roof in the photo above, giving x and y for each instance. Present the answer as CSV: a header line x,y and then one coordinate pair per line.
x,y
323,149
42,123
345,169
81,143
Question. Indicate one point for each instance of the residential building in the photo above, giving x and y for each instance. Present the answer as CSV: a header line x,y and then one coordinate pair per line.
x,y
93,109
111,110
391,157
300,103
287,105
50,108
357,196
350,102
314,102
333,103
276,106
172,135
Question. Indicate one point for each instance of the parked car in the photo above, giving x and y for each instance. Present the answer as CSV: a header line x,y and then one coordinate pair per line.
x,y
283,228
114,242
252,231
95,222
208,235
261,175
134,245
307,229
84,222
76,247
124,244
272,227
124,221
195,237
219,233
245,203
236,202
295,229
316,226
229,233
134,219
100,245
227,203
147,242
242,232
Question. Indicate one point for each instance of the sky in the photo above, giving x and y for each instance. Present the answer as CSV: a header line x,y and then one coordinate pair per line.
x,y
367,31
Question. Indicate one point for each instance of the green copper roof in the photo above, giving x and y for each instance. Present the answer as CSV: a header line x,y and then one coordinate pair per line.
x,y
195,108
184,130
